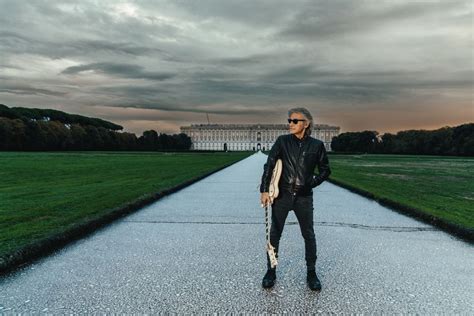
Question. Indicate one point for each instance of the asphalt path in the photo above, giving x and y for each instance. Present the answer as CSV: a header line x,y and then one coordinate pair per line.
x,y
202,249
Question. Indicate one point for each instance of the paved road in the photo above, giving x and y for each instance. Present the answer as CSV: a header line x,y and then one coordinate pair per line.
x,y
202,250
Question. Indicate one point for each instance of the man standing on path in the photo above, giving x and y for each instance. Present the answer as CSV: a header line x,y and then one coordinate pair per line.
x,y
300,154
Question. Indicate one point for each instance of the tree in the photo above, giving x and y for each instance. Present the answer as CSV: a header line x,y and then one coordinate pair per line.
x,y
150,140
182,141
463,140
365,141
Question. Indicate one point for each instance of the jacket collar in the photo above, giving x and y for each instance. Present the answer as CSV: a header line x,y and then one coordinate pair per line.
x,y
305,138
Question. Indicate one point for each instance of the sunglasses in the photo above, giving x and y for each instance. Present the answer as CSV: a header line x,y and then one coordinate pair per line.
x,y
295,121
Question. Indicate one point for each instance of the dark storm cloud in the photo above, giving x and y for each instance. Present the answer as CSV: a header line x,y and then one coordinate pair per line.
x,y
333,19
174,107
28,90
16,43
132,91
244,61
370,79
114,47
234,57
120,70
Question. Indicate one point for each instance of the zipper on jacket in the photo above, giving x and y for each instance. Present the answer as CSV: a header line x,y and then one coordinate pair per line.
x,y
300,145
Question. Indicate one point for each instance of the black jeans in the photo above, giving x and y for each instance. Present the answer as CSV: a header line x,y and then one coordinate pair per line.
x,y
303,208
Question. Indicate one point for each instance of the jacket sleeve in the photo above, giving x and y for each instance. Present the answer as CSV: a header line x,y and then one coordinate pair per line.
x,y
323,167
273,156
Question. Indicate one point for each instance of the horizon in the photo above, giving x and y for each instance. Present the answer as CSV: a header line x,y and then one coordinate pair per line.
x,y
376,65
211,124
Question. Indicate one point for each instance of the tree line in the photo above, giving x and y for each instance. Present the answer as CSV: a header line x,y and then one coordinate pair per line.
x,y
452,141
46,129
39,129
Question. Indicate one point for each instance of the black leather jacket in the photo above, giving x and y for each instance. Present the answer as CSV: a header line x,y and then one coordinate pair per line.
x,y
299,157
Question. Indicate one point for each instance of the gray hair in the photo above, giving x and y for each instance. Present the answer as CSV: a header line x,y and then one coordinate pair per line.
x,y
306,114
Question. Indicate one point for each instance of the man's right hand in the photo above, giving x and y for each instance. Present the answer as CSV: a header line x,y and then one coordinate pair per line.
x,y
265,199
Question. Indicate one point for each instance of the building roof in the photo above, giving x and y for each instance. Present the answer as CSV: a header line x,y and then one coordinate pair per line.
x,y
252,126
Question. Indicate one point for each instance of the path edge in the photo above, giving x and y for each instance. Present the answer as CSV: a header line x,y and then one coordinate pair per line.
x,y
458,231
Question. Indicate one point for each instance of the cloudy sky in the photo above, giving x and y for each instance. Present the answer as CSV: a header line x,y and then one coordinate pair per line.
x,y
361,65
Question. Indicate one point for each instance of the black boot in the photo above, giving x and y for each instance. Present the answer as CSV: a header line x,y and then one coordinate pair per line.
x,y
313,281
269,279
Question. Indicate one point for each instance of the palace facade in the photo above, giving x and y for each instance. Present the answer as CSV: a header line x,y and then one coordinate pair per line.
x,y
239,137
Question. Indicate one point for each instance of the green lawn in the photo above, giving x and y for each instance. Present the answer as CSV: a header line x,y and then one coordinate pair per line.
x,y
42,194
440,186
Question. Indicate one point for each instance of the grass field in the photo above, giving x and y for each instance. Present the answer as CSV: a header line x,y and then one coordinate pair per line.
x,y
440,186
42,194
45,193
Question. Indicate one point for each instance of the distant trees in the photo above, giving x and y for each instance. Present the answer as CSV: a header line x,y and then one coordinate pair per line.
x,y
37,129
463,139
355,142
457,140
150,140
55,115
40,129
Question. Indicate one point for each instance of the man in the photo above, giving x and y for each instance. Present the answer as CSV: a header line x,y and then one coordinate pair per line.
x,y
300,154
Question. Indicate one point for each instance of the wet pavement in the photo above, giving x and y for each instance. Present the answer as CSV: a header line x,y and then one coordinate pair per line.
x,y
202,249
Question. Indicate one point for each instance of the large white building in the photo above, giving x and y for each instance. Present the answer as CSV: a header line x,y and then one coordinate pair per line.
x,y
248,137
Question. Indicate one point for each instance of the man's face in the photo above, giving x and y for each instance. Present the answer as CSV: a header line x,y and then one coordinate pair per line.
x,y
300,126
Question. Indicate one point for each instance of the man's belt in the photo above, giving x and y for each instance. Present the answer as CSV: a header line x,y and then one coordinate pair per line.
x,y
297,190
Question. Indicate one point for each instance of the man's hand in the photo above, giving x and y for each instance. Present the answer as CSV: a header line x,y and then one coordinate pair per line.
x,y
265,199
